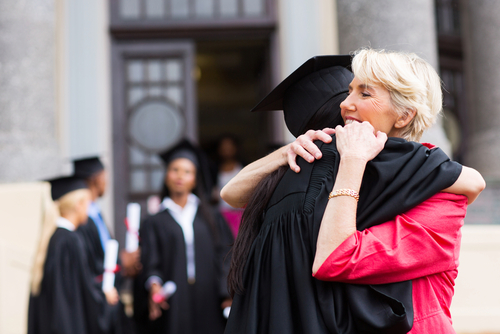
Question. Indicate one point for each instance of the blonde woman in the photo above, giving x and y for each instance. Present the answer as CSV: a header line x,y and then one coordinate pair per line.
x,y
376,220
64,297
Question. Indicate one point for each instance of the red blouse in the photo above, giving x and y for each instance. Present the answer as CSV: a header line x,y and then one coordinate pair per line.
x,y
422,244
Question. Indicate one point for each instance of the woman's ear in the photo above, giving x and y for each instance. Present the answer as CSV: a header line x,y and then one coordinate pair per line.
x,y
405,119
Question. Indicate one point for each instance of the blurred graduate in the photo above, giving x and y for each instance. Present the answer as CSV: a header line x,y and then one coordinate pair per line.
x,y
95,235
64,297
187,244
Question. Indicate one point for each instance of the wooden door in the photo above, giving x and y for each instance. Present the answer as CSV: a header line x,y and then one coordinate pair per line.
x,y
154,106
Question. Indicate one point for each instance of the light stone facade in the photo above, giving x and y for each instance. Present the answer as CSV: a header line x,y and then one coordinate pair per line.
x,y
29,121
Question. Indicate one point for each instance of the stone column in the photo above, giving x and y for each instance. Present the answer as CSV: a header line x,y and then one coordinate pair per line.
x,y
480,27
394,25
29,131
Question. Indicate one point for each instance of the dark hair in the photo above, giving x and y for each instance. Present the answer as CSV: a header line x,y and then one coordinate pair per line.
x,y
253,215
204,205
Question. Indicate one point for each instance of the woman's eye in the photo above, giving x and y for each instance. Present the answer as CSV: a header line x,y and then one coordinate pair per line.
x,y
365,94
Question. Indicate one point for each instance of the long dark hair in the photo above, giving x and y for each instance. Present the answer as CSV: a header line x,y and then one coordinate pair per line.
x,y
327,116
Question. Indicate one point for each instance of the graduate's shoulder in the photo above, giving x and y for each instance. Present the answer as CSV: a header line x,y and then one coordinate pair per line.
x,y
88,229
65,240
160,218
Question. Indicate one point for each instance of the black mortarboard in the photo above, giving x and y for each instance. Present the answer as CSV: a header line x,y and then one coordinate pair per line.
x,y
307,89
185,149
63,185
87,167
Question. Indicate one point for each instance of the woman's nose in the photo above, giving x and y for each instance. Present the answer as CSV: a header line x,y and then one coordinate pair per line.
x,y
347,103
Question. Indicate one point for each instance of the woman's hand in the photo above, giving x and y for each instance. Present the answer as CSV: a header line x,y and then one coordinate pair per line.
x,y
226,303
131,263
112,296
358,141
304,147
155,309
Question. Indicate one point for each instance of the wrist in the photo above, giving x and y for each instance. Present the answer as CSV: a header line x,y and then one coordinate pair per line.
x,y
350,174
283,156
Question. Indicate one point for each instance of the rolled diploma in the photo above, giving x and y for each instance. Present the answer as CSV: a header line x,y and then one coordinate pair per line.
x,y
134,220
167,290
110,258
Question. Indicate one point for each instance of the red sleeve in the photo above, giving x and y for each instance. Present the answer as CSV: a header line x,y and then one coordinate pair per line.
x,y
423,241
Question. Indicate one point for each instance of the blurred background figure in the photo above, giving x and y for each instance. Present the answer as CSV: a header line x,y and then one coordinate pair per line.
x,y
186,244
229,164
95,235
64,296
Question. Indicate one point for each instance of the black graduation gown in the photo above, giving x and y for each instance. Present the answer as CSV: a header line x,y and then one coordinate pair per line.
x,y
194,308
281,296
69,300
95,256
93,248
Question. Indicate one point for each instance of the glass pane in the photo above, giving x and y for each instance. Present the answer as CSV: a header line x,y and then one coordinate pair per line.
x,y
135,71
157,177
229,8
179,8
174,70
155,9
204,8
156,160
129,9
138,181
253,7
154,70
155,91
136,156
135,94
174,94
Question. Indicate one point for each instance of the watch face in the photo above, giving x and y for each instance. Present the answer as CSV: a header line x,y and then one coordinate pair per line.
x,y
156,125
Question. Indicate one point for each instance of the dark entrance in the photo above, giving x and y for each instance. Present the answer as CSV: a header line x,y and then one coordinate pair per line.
x,y
185,69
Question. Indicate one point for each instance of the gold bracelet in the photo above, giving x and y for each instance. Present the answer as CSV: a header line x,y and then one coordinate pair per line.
x,y
344,192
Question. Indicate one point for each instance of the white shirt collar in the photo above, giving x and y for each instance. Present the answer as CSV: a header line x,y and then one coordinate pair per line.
x,y
64,223
168,203
184,216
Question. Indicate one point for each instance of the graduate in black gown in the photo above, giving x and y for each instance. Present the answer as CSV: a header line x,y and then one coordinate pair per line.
x,y
274,291
95,233
66,299
187,243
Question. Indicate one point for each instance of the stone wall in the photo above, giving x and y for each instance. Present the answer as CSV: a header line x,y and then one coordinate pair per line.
x,y
29,123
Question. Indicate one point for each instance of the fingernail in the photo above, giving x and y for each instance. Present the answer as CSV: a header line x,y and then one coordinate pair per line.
x,y
318,155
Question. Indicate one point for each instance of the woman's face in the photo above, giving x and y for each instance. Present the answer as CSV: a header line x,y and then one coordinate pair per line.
x,y
370,103
180,178
227,149
82,208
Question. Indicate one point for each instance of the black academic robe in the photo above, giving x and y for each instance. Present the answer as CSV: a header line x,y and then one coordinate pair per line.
x,y
281,296
194,308
89,232
93,248
69,300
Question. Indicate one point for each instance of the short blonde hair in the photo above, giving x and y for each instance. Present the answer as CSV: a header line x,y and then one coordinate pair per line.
x,y
67,203
413,85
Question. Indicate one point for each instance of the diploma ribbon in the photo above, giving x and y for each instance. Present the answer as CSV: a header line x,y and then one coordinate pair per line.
x,y
129,229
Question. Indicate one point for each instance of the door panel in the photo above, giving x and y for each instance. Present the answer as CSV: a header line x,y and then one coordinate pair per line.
x,y
154,106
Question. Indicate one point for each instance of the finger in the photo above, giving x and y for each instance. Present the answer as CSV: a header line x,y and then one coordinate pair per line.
x,y
381,137
305,151
329,131
291,157
323,136
306,142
